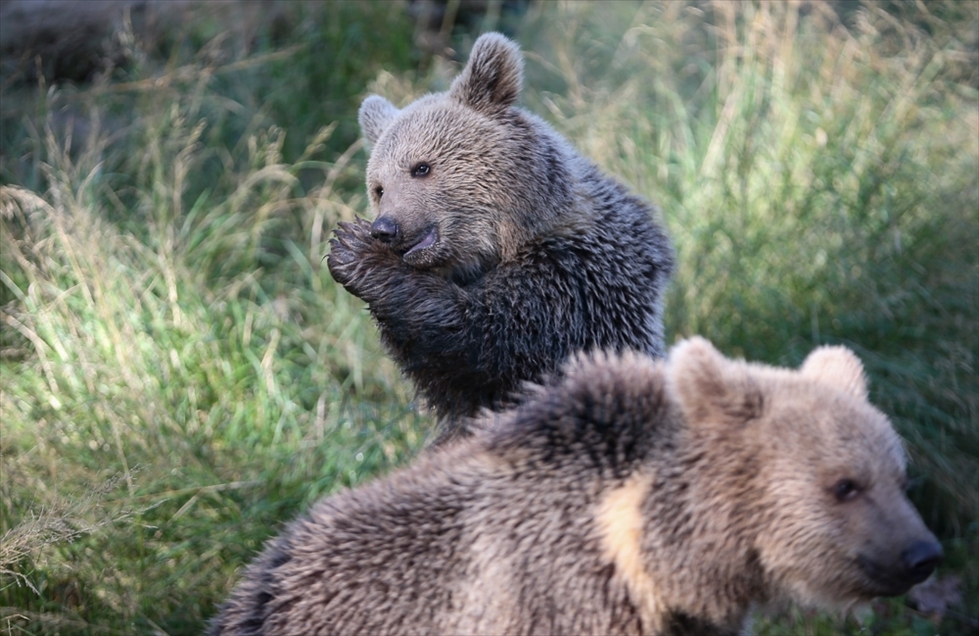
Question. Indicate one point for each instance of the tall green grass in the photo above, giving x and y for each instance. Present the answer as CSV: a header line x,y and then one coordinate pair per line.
x,y
205,402
179,375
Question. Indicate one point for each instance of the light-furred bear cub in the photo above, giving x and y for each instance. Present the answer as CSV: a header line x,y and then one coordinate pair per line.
x,y
632,497
496,250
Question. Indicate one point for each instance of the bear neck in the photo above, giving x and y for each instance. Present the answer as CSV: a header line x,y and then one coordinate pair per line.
x,y
701,550
547,203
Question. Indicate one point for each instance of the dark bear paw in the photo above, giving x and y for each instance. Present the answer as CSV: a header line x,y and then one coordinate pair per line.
x,y
355,258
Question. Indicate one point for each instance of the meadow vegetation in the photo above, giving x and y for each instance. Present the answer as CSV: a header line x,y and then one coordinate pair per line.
x,y
179,375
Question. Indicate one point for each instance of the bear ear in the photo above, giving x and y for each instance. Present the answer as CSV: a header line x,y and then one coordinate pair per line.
x,y
491,80
376,114
710,388
838,367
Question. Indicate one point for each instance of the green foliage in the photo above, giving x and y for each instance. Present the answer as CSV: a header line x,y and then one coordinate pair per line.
x,y
179,376
295,66
225,408
222,401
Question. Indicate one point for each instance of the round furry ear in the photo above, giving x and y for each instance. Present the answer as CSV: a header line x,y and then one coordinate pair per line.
x,y
838,367
711,389
492,79
376,114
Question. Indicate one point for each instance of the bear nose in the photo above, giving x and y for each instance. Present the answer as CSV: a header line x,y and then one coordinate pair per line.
x,y
385,230
921,559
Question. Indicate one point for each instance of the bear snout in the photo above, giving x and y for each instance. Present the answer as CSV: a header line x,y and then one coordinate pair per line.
x,y
895,576
386,230
921,559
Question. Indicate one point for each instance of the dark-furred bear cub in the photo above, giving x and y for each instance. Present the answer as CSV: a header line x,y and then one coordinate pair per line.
x,y
496,250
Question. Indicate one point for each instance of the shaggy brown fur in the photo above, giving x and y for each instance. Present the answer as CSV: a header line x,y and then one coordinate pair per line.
x,y
634,497
496,250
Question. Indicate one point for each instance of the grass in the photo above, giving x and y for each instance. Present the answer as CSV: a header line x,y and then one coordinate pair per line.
x,y
179,375
167,366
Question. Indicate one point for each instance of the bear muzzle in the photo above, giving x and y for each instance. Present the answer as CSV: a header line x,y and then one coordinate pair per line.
x,y
893,577
428,239
409,244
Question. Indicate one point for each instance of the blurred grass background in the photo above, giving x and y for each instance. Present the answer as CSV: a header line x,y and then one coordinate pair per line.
x,y
179,375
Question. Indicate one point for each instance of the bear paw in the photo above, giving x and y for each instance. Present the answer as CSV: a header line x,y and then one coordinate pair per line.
x,y
355,258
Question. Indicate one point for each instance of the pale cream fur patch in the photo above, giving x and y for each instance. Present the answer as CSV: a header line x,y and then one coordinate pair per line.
x,y
619,521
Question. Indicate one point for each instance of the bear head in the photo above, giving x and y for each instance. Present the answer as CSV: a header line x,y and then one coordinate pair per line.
x,y
458,180
822,473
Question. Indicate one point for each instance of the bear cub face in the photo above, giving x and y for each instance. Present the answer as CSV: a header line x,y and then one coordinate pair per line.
x,y
446,185
837,526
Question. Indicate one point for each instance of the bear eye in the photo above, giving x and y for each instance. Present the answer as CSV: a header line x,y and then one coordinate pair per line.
x,y
845,490
379,191
421,170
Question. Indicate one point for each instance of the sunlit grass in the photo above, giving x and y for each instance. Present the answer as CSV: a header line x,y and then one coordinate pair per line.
x,y
214,400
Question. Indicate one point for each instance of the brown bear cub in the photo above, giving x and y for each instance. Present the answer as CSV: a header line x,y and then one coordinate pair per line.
x,y
633,496
496,251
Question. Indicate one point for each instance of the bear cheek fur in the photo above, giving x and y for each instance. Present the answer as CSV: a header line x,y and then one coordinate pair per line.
x,y
802,543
